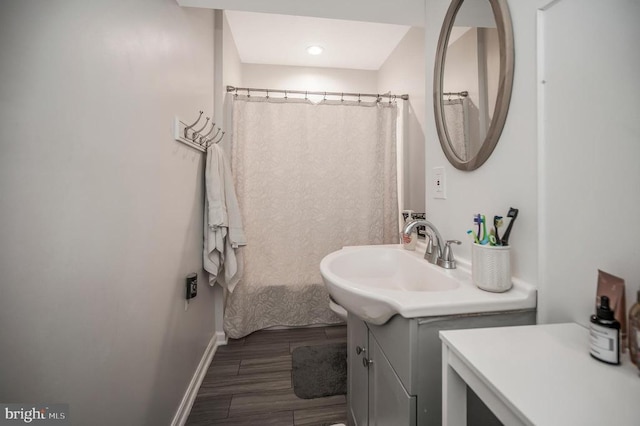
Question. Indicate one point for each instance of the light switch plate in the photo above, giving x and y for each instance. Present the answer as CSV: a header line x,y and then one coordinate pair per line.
x,y
439,183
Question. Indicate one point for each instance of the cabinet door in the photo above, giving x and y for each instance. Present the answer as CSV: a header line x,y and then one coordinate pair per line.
x,y
389,402
357,373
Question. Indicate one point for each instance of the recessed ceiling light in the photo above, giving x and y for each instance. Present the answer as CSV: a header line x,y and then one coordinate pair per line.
x,y
314,50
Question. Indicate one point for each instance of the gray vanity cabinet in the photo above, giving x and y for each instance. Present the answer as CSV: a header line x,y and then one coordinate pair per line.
x,y
389,402
394,369
357,373
376,395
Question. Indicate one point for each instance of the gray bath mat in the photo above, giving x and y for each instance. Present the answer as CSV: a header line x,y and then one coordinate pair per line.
x,y
320,370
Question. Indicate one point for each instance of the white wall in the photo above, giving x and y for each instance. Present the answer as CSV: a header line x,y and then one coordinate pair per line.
x,y
308,78
588,173
509,177
101,211
590,148
231,76
403,72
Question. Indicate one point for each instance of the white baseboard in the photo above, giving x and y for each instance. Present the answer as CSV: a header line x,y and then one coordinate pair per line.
x,y
180,418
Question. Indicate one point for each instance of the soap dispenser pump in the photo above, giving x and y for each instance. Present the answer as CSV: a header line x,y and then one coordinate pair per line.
x,y
605,334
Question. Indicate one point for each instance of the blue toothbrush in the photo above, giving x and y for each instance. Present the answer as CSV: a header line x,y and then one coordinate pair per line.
x,y
477,219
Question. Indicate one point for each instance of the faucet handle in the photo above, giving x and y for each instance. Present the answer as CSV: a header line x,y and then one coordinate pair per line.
x,y
448,261
448,253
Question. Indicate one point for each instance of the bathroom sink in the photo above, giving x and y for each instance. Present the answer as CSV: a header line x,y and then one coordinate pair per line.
x,y
377,282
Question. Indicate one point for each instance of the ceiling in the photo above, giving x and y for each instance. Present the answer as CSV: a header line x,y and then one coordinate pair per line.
x,y
265,38
401,12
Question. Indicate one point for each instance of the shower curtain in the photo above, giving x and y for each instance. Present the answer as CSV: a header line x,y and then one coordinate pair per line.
x,y
310,178
456,117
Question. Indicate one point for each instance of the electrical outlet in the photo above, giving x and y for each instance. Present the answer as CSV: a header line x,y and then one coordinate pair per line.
x,y
192,285
439,183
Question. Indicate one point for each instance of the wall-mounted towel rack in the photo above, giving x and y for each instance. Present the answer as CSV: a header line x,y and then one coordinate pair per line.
x,y
197,136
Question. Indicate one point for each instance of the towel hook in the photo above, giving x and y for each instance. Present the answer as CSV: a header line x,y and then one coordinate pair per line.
x,y
248,93
285,94
189,127
215,142
305,95
342,97
194,136
203,138
213,137
325,96
359,97
267,93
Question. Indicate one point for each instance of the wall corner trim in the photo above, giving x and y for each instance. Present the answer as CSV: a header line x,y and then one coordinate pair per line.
x,y
184,409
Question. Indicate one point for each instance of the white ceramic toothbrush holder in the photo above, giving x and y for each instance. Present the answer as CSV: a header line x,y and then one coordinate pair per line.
x,y
491,267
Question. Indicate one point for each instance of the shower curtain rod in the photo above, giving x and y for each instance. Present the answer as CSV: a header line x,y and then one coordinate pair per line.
x,y
305,92
462,94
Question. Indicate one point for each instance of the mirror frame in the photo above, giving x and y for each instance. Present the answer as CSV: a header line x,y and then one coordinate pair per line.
x,y
505,84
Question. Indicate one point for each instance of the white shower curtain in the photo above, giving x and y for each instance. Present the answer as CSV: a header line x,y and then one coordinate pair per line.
x,y
310,178
456,117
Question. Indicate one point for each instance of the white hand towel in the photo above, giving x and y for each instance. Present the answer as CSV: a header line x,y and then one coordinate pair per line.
x,y
223,230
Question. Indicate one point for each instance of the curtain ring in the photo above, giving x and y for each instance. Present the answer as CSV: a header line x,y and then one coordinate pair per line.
x,y
359,97
305,95
248,93
325,96
267,93
285,94
342,97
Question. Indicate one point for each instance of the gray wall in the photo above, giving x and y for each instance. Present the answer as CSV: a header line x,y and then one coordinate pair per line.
x,y
100,210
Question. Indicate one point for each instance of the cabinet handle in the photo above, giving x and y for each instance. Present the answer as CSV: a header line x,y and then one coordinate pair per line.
x,y
360,350
367,362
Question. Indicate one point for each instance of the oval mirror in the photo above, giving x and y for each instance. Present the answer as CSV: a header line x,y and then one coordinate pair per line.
x,y
473,79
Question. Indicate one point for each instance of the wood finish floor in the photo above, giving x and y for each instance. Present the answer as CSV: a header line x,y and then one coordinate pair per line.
x,y
249,383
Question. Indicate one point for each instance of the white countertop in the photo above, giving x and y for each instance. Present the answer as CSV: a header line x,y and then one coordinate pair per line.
x,y
545,374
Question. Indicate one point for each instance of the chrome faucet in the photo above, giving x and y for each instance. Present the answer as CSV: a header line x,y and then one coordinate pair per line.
x,y
436,253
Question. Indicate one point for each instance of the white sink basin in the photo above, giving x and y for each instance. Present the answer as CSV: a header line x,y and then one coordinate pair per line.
x,y
378,282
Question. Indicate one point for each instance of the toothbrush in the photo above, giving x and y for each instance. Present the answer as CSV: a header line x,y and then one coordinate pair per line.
x,y
497,223
513,214
473,236
485,236
492,239
477,220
